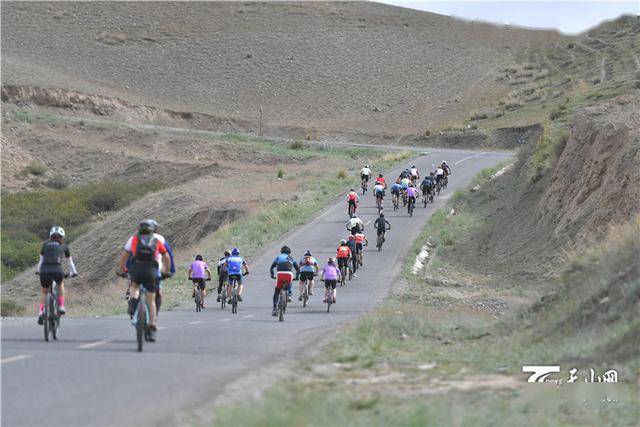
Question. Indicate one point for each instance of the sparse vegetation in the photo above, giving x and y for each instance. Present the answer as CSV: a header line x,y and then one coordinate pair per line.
x,y
342,174
9,308
27,217
280,173
297,145
58,182
35,168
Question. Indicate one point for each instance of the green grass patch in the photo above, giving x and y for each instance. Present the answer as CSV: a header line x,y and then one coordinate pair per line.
x,y
35,168
27,217
9,308
548,148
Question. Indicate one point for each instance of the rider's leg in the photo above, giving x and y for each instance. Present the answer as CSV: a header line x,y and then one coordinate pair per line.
x,y
301,289
151,302
61,308
311,287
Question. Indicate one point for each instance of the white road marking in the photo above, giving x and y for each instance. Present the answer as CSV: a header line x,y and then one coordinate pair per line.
x,y
195,323
470,157
14,358
93,344
248,316
162,327
368,222
225,320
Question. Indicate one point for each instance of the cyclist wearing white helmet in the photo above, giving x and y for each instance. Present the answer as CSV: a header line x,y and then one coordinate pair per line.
x,y
50,267
365,173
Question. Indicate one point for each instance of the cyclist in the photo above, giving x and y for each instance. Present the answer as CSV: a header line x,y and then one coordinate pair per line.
x,y
343,254
351,243
412,195
308,269
355,224
197,271
415,175
149,256
361,241
222,272
284,264
352,201
380,179
396,189
446,167
330,274
382,225
404,174
379,191
235,264
427,186
50,268
439,175
172,270
365,173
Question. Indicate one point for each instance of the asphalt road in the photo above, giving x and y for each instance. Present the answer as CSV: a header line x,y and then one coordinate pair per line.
x,y
94,376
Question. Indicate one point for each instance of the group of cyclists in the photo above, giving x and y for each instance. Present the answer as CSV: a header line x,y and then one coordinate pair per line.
x,y
146,258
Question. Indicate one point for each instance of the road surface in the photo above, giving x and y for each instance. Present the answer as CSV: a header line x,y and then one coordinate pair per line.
x,y
94,376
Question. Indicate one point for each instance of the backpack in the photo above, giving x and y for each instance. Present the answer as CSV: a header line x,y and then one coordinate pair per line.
x,y
146,247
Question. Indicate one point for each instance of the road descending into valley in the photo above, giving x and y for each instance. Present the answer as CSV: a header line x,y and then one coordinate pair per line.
x,y
94,376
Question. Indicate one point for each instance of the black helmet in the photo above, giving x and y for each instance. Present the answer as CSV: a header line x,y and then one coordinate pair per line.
x,y
227,252
308,253
285,250
198,257
147,226
380,175
381,214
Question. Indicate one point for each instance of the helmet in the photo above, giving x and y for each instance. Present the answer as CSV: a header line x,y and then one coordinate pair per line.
x,y
235,251
56,230
431,174
366,166
380,175
351,189
353,215
413,166
331,260
444,162
147,226
198,257
343,242
154,223
352,237
308,253
381,214
285,250
227,252
411,184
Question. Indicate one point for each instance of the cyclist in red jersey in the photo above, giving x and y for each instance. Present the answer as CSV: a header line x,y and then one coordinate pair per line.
x,y
380,179
352,200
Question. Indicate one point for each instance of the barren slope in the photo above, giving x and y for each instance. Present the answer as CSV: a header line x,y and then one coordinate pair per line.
x,y
330,66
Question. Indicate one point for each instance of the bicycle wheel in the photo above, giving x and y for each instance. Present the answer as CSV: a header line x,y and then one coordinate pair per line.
x,y
234,299
223,299
329,302
46,317
282,305
198,299
55,318
305,293
141,323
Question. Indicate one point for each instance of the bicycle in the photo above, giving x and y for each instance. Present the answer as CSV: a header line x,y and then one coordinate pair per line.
x,y
199,299
425,197
328,297
411,206
343,275
234,295
282,303
363,184
223,294
381,239
445,181
51,316
396,202
379,201
306,291
352,209
141,318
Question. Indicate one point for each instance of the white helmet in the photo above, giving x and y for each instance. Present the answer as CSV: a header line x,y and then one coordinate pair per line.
x,y
366,166
56,230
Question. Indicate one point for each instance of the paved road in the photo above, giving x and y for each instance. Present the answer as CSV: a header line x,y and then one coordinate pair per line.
x,y
93,376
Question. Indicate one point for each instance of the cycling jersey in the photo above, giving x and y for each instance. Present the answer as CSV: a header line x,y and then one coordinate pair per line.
x,y
343,252
395,188
158,248
381,224
405,183
355,222
414,172
198,269
330,272
52,254
365,172
427,183
234,265
439,171
412,192
378,190
308,264
352,197
381,180
360,238
284,262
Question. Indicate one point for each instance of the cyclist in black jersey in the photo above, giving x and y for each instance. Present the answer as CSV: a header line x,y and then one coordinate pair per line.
x,y
50,269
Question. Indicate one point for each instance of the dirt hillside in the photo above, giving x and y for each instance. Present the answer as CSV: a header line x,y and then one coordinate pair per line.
x,y
333,66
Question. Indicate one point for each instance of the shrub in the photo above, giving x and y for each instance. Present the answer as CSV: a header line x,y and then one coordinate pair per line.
x,y
297,145
58,182
36,168
478,115
342,174
10,308
280,173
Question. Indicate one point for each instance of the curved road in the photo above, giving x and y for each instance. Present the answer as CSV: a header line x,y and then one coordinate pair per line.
x,y
93,376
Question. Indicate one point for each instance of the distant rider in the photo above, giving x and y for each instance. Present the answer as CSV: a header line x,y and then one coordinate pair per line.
x,y
308,269
330,274
382,225
380,180
412,195
343,254
235,264
355,224
365,173
222,271
198,273
352,201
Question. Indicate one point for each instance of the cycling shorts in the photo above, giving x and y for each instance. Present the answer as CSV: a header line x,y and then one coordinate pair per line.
x,y
328,283
381,232
395,191
358,247
200,282
47,279
146,275
236,277
365,177
284,278
343,262
306,275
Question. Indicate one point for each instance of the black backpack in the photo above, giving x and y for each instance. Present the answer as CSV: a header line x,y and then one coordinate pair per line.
x,y
146,249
